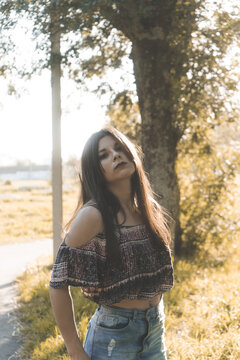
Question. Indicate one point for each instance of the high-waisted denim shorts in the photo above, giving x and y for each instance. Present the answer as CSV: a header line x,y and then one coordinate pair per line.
x,y
126,334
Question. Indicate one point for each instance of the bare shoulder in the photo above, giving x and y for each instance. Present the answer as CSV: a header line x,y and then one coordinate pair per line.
x,y
87,224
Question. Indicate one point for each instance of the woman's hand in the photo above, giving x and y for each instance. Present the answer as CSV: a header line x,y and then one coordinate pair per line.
x,y
77,352
80,357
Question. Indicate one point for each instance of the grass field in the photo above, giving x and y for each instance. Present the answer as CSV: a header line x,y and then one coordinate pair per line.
x,y
26,209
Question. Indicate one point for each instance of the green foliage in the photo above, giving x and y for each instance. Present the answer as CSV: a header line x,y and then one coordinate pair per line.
x,y
201,82
206,171
124,115
7,49
90,45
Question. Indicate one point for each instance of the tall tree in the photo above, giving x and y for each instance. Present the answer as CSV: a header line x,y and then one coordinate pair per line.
x,y
176,52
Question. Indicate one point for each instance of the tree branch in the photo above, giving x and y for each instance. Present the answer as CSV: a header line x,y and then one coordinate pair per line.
x,y
119,20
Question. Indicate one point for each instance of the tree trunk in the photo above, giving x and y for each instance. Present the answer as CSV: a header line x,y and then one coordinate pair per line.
x,y
159,136
149,25
56,130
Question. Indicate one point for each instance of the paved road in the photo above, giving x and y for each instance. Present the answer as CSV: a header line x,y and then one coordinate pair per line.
x,y
13,261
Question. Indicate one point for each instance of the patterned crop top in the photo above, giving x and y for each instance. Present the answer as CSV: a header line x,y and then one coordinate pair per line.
x,y
145,272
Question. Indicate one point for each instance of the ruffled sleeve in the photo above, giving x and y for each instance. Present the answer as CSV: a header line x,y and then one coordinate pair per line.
x,y
77,267
59,277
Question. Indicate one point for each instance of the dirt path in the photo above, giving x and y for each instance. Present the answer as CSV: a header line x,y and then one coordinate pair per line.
x,y
13,261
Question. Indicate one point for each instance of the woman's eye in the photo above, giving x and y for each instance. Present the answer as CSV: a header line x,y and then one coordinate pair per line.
x,y
103,156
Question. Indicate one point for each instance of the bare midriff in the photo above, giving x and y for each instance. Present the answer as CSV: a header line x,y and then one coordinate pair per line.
x,y
139,304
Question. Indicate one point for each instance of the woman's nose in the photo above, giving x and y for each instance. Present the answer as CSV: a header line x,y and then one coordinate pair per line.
x,y
115,155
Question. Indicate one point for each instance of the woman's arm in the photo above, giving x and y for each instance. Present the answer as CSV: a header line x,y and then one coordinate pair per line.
x,y
63,311
85,226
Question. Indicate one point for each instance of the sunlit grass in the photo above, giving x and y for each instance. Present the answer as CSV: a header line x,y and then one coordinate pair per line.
x,y
203,311
26,214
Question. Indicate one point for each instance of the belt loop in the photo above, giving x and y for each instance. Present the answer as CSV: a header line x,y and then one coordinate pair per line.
x,y
147,313
99,307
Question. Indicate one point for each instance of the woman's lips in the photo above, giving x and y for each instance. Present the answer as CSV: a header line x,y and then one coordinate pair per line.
x,y
119,165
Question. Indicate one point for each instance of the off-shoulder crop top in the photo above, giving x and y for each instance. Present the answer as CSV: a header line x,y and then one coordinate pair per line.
x,y
145,272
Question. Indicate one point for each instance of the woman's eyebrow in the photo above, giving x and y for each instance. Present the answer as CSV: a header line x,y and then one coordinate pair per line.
x,y
101,150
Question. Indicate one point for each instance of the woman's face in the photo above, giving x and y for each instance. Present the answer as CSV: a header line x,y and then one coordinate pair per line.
x,y
114,161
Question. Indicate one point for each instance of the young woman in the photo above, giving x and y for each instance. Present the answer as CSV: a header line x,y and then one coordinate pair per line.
x,y
116,249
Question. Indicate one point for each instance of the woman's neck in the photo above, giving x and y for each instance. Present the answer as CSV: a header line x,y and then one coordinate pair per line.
x,y
123,192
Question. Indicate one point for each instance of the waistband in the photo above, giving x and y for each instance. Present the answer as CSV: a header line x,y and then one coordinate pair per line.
x,y
154,311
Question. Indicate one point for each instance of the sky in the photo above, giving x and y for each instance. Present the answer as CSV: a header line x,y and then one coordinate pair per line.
x,y
26,125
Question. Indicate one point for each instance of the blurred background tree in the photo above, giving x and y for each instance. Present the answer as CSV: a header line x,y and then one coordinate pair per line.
x,y
182,92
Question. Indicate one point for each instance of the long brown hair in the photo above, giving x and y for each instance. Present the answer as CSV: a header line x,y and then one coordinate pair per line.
x,y
94,189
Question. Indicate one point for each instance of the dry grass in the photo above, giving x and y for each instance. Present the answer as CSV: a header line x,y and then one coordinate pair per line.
x,y
203,311
26,215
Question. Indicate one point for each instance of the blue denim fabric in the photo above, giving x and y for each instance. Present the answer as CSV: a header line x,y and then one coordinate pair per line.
x,y
123,334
